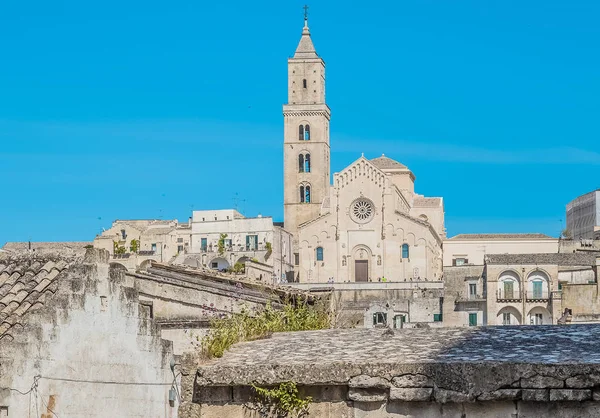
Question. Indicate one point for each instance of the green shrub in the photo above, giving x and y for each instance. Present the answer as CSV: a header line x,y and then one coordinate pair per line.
x,y
243,327
282,400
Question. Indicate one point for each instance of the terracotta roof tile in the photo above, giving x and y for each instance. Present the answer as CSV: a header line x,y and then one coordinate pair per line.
x,y
25,281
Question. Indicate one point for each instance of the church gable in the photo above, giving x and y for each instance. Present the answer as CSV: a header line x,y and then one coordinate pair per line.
x,y
360,169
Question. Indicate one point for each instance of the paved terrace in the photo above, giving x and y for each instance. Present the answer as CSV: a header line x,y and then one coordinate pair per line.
x,y
530,363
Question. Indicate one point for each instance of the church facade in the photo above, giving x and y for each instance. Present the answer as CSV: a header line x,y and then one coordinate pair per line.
x,y
369,225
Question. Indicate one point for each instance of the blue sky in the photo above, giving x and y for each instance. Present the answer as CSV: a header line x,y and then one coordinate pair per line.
x,y
149,109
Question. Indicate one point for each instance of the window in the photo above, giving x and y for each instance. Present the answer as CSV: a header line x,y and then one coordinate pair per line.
x,y
399,321
379,318
437,317
307,163
180,248
227,243
536,319
123,234
301,163
560,285
304,83
296,259
153,246
302,194
472,319
307,194
204,244
307,133
506,318
214,265
405,252
509,290
179,239
319,253
301,132
537,290
252,242
472,290
460,261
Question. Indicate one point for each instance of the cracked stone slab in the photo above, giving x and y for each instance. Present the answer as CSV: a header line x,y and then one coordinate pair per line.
x,y
500,394
364,381
542,382
411,394
412,381
536,395
570,395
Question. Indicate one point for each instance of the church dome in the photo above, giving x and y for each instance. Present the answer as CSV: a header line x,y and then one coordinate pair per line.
x,y
385,163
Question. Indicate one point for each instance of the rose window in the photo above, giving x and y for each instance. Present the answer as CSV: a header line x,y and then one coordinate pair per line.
x,y
362,210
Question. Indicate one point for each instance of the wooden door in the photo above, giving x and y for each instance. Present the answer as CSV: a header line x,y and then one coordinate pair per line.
x,y
361,270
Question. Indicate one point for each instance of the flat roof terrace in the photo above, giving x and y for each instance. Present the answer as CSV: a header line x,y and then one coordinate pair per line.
x,y
443,365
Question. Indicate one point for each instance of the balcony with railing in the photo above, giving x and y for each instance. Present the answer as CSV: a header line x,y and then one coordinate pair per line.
x,y
508,296
235,248
470,297
537,296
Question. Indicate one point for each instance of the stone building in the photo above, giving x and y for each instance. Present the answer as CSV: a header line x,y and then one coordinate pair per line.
x,y
583,216
370,223
133,242
471,248
222,238
75,341
522,289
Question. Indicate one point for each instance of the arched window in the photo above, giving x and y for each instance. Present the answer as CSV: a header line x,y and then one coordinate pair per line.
x,y
307,163
319,253
301,133
301,163
304,83
307,194
307,133
301,194
405,252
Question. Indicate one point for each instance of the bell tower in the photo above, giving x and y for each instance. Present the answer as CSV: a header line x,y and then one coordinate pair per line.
x,y
306,136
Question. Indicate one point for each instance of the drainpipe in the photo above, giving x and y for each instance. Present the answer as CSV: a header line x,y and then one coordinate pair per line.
x,y
523,296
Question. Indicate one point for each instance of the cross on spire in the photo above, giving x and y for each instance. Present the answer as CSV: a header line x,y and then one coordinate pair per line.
x,y
305,12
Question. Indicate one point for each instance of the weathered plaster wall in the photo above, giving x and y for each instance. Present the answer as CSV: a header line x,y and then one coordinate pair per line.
x,y
89,333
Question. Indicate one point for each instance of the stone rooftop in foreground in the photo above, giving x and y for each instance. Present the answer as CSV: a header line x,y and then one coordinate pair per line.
x,y
450,364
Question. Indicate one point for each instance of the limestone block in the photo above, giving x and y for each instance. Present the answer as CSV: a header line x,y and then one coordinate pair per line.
x,y
596,395
411,394
445,396
570,394
537,395
364,381
366,395
583,381
541,382
500,394
412,381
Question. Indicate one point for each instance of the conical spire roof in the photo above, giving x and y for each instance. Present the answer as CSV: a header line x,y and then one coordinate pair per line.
x,y
306,49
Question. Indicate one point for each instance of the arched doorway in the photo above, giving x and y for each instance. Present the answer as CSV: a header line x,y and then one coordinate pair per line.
x,y
361,265
219,263
539,316
509,315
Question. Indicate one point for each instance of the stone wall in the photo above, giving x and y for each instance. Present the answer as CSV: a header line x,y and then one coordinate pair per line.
x,y
89,351
461,373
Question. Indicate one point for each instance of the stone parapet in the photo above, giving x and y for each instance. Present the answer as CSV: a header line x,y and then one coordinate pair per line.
x,y
444,366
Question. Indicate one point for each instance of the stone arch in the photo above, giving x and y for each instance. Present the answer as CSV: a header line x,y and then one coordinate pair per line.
x,y
509,285
538,284
508,315
222,263
117,266
389,230
145,264
410,239
539,315
400,234
191,261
